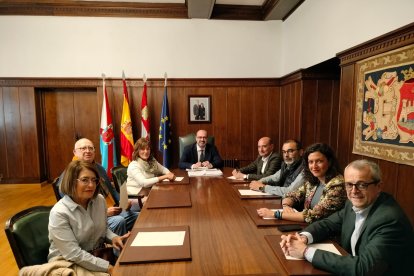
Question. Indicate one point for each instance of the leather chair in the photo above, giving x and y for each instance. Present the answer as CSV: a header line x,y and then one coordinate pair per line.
x,y
119,176
27,232
56,188
189,139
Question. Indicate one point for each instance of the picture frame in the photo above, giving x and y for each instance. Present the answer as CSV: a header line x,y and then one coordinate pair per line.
x,y
199,109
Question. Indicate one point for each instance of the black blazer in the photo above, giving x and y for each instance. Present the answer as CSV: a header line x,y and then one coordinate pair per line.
x,y
190,156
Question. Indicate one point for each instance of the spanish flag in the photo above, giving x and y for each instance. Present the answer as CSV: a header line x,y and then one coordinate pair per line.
x,y
126,138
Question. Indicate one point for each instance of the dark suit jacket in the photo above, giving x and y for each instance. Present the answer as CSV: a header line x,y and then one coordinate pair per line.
x,y
254,169
190,156
385,246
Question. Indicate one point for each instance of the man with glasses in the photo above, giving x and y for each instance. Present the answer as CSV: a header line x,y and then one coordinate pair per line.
x,y
120,222
200,154
373,228
267,163
289,177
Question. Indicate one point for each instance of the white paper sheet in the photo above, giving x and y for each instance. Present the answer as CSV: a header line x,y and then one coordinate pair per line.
x,y
177,178
123,196
323,246
232,177
168,238
208,172
251,192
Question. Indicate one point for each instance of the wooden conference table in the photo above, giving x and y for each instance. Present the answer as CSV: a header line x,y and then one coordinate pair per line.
x,y
224,239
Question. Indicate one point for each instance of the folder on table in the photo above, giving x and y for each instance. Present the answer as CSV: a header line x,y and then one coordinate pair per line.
x,y
168,199
259,221
167,244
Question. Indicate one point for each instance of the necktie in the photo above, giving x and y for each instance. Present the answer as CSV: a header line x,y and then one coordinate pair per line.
x,y
202,156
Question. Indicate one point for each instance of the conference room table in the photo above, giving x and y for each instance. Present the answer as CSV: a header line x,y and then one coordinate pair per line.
x,y
224,238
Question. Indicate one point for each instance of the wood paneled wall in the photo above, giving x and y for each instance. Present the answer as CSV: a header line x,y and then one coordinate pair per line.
x,y
397,179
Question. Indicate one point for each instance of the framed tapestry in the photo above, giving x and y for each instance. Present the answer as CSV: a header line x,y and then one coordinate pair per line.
x,y
384,116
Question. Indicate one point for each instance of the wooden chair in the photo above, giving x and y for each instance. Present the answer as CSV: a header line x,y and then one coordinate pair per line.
x,y
27,233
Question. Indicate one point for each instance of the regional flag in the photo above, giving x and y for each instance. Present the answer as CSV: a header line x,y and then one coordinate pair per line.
x,y
126,137
145,122
165,132
107,141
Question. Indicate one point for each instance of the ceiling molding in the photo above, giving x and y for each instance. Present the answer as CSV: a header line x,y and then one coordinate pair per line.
x,y
93,8
207,9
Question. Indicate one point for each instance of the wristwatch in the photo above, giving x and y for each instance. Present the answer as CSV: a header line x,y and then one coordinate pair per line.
x,y
262,189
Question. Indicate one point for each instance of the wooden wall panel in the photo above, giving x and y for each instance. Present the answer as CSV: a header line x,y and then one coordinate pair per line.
x,y
13,134
346,116
234,124
4,173
405,189
274,112
246,138
30,166
309,112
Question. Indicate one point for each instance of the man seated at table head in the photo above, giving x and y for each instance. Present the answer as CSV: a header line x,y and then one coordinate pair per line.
x,y
120,222
267,163
289,177
200,154
374,230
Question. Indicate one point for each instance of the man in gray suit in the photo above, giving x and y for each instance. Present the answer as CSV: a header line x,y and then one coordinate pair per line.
x,y
267,163
373,228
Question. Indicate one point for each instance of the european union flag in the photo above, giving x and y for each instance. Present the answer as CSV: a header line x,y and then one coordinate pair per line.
x,y
165,132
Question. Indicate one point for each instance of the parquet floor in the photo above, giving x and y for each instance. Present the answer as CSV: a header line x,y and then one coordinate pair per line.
x,y
15,198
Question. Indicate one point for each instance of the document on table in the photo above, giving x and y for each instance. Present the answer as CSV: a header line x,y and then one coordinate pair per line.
x,y
245,192
168,238
204,172
323,246
232,177
177,178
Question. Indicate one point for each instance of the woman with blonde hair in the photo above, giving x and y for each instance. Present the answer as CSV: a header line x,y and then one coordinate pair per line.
x,y
145,171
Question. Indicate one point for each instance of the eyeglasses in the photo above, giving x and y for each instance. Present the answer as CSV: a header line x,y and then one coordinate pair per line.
x,y
289,151
83,149
360,185
201,137
85,181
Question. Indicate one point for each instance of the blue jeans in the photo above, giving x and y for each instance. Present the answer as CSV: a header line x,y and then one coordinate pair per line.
x,y
123,222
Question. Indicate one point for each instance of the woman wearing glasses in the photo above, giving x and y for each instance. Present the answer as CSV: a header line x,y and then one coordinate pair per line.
x,y
77,223
144,170
322,194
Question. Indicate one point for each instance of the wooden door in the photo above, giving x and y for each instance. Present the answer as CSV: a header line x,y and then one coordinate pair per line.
x,y
68,115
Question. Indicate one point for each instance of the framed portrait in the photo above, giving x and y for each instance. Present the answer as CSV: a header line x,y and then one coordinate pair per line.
x,y
199,109
384,117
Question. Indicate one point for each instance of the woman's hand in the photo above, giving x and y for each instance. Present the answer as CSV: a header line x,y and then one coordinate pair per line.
x,y
118,242
265,213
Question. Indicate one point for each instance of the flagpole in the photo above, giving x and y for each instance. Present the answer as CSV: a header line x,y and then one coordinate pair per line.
x,y
165,79
144,78
123,75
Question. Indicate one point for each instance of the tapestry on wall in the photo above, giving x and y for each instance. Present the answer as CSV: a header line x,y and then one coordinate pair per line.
x,y
384,117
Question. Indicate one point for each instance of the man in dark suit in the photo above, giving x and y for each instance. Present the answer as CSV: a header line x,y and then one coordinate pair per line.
x,y
373,228
267,163
200,154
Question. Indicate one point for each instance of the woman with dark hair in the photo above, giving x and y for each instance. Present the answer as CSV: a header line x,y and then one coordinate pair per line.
x,y
323,192
144,170
77,226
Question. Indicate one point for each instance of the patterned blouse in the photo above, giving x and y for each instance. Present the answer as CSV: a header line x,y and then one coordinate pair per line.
x,y
332,199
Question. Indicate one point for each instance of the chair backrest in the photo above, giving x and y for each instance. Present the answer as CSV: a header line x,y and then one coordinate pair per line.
x,y
190,139
119,176
27,232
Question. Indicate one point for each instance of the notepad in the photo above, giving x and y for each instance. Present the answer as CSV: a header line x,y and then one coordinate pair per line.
x,y
167,238
246,192
177,178
322,246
